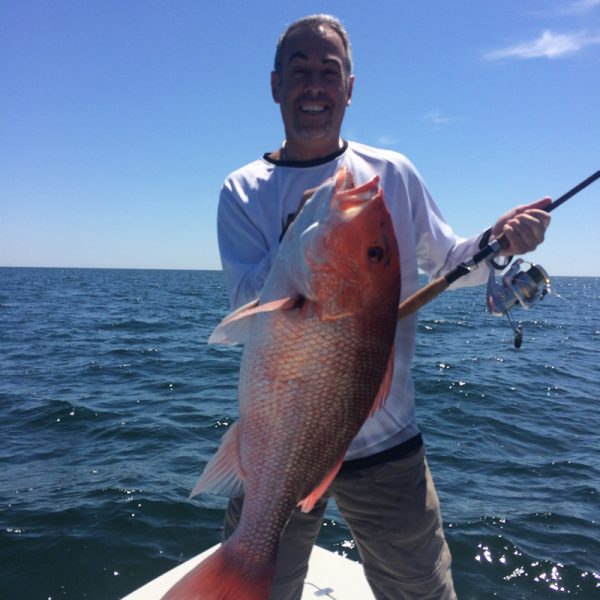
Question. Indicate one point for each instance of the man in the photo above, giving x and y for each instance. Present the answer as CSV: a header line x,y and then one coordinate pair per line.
x,y
384,489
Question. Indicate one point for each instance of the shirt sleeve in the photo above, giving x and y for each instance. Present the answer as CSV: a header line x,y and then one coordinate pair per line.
x,y
439,249
245,254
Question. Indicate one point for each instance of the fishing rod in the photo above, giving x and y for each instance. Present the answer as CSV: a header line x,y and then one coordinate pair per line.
x,y
524,287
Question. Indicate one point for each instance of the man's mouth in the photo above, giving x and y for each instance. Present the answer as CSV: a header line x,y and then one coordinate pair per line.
x,y
312,108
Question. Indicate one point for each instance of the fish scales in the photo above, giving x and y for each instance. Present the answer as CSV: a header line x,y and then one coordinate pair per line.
x,y
291,449
310,374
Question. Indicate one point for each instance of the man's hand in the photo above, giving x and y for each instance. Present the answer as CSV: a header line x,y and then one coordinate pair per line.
x,y
523,226
305,196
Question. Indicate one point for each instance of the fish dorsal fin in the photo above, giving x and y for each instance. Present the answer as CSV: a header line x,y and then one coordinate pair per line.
x,y
235,327
386,384
223,474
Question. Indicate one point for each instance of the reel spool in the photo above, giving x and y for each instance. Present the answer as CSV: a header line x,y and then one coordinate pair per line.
x,y
525,287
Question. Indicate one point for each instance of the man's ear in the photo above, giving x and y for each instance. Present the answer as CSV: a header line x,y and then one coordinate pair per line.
x,y
275,86
350,89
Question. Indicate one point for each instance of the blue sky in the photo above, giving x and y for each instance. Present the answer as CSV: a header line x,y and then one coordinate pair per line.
x,y
119,120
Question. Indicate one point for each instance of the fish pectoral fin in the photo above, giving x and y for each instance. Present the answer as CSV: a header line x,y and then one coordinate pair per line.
x,y
308,503
235,327
386,384
223,474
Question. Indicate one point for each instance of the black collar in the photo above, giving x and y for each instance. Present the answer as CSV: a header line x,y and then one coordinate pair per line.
x,y
307,163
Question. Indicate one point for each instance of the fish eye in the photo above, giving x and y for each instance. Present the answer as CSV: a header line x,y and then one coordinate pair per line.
x,y
375,254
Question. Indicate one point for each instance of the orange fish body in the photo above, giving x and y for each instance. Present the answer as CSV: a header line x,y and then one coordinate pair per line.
x,y
317,362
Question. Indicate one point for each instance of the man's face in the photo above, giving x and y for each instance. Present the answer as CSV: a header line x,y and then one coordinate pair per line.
x,y
313,91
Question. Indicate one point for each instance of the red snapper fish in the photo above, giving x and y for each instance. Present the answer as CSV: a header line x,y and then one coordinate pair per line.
x,y
317,362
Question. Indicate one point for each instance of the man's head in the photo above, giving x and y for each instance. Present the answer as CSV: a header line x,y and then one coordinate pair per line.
x,y
312,82
316,22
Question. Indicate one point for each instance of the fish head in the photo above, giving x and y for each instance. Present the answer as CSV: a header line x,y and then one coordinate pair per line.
x,y
347,240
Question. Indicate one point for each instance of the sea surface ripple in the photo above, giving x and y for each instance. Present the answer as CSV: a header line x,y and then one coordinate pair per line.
x,y
111,402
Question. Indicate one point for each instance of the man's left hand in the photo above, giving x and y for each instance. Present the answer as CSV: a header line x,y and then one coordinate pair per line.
x,y
523,226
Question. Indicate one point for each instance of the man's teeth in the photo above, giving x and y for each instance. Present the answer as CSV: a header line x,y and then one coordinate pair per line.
x,y
312,108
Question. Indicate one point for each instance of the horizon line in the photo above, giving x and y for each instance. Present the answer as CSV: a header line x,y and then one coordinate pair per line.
x,y
189,269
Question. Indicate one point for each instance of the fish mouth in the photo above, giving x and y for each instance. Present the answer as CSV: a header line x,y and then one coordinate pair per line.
x,y
350,199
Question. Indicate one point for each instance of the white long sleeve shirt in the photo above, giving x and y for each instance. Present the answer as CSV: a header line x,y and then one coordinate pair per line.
x,y
255,204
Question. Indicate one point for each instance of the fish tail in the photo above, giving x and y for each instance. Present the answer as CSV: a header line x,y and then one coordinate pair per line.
x,y
222,576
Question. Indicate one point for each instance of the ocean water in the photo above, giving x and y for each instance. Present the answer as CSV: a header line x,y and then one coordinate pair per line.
x,y
111,402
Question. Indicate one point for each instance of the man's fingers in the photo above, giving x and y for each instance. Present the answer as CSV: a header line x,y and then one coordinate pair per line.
x,y
305,196
541,203
526,232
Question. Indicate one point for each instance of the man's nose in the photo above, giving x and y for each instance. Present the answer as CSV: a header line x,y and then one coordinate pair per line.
x,y
314,83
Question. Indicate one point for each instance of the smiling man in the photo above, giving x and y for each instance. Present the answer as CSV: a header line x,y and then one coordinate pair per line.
x,y
384,489
313,86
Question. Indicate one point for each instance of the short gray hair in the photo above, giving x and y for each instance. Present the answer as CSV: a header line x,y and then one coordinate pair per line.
x,y
316,22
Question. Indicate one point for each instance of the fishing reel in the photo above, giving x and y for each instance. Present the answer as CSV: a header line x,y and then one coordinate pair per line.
x,y
525,287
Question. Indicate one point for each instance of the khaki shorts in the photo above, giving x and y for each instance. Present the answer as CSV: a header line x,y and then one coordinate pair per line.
x,y
393,512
